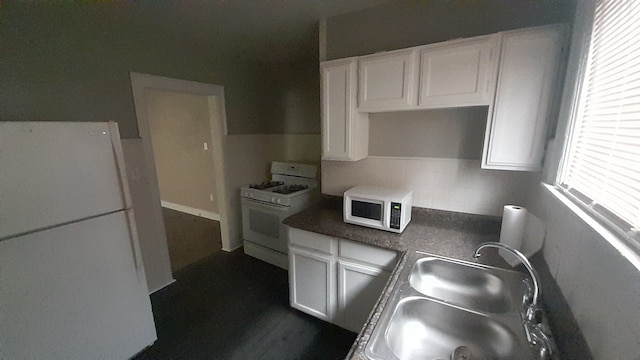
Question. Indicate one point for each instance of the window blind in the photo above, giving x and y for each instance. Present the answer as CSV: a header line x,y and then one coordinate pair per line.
x,y
601,168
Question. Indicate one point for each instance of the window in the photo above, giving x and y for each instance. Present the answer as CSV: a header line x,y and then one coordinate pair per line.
x,y
601,165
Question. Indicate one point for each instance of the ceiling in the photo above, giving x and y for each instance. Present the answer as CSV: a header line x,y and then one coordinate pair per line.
x,y
267,30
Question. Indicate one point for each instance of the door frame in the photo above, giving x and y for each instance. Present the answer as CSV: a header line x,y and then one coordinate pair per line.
x,y
218,125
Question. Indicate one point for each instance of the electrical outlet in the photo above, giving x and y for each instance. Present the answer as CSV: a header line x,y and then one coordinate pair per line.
x,y
210,197
206,146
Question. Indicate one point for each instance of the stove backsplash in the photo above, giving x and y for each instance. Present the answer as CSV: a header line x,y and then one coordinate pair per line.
x,y
445,184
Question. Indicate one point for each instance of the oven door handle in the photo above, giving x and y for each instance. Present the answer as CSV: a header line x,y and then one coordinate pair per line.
x,y
265,204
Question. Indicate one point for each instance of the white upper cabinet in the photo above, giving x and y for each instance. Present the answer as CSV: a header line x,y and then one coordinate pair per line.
x,y
514,73
527,79
387,81
345,132
458,73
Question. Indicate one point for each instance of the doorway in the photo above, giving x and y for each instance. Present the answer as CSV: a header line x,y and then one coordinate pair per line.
x,y
181,141
182,124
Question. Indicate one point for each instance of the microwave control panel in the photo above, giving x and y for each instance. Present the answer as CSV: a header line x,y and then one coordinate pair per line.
x,y
396,211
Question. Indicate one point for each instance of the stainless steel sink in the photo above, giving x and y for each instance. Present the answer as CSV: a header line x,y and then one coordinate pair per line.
x,y
467,285
424,329
441,305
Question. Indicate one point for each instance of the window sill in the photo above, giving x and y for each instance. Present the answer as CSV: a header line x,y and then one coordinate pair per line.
x,y
627,251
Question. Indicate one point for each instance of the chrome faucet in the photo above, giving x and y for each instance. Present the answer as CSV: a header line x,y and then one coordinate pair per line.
x,y
537,332
523,259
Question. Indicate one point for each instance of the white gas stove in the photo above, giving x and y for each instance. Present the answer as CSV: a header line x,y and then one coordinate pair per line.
x,y
292,188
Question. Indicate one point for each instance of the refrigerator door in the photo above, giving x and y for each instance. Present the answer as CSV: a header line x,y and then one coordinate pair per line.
x,y
54,173
73,292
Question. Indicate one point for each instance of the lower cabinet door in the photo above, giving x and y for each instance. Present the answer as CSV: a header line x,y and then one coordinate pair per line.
x,y
312,283
359,287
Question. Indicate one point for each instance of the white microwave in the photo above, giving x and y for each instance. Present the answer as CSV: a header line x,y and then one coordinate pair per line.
x,y
377,207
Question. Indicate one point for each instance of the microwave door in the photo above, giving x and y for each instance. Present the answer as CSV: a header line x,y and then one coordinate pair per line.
x,y
367,212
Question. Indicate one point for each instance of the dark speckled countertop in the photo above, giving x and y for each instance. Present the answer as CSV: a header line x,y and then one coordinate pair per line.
x,y
445,233
440,232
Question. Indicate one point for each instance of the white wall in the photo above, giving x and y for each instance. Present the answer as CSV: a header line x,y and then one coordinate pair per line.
x,y
248,160
600,282
445,184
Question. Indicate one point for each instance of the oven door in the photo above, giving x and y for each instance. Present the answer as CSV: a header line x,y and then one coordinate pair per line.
x,y
262,224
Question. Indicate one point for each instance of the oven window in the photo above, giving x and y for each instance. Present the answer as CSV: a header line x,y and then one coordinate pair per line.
x,y
366,210
264,223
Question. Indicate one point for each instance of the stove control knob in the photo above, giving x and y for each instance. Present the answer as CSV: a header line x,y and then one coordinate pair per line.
x,y
273,199
279,201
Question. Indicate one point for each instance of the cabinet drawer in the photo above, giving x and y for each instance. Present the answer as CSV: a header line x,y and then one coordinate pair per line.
x,y
311,240
374,255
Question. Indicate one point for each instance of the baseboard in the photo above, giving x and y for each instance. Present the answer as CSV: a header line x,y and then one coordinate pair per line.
x,y
190,210
231,249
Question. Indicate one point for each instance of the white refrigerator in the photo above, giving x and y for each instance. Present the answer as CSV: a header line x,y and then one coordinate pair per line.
x,y
72,283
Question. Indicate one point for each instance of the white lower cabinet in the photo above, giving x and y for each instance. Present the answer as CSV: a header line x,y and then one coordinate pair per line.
x,y
311,285
359,287
336,280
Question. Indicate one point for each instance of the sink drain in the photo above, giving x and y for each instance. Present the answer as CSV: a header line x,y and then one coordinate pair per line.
x,y
461,353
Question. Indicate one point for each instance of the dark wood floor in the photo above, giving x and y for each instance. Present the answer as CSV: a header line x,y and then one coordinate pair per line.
x,y
190,238
232,306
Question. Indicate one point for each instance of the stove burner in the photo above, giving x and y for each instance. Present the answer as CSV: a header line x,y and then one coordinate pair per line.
x,y
266,184
288,189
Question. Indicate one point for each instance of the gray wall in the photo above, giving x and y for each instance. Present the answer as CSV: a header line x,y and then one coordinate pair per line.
x,y
291,96
411,23
70,61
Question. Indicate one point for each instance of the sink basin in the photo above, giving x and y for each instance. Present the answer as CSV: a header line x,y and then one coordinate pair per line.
x,y
439,306
425,329
461,284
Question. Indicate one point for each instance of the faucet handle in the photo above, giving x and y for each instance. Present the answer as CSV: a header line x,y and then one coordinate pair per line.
x,y
527,294
534,315
543,342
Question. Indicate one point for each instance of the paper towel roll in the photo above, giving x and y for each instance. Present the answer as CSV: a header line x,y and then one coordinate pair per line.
x,y
514,220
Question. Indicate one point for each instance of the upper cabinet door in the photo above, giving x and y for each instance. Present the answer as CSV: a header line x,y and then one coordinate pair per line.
x,y
458,73
527,80
345,132
387,81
